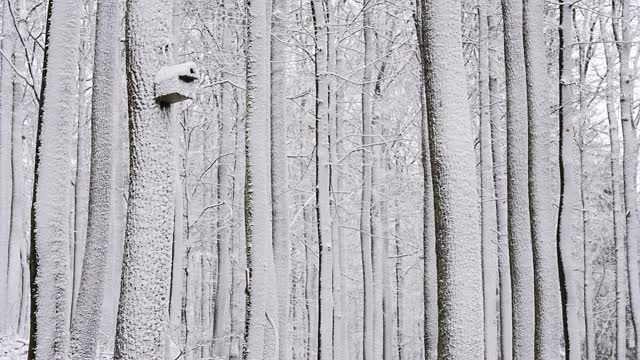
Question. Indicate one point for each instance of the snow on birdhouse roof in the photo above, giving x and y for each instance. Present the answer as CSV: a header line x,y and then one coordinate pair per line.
x,y
187,71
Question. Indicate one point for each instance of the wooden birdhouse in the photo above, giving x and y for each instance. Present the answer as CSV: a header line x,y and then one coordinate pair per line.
x,y
175,83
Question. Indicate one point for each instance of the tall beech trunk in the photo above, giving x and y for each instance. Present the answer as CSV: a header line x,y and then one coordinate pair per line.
x,y
487,188
280,175
50,220
520,246
457,217
104,114
545,261
570,211
146,269
258,210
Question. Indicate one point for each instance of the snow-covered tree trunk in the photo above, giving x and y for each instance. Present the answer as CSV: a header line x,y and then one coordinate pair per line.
x,y
630,158
429,276
16,235
365,214
520,247
51,228
258,209
341,315
325,287
84,332
280,174
176,332
429,279
83,153
622,284
146,271
546,281
570,211
498,142
6,108
457,214
487,189
225,236
238,259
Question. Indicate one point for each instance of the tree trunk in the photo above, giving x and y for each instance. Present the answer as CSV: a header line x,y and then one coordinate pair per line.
x,y
280,175
51,228
569,221
520,247
487,188
498,144
6,180
99,232
258,185
630,157
365,215
457,215
545,261
617,199
146,271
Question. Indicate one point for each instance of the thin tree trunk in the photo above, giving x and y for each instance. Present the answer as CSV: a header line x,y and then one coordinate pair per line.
x,y
520,246
6,178
630,157
258,209
280,175
429,263
365,215
340,301
498,143
487,188
569,221
176,332
238,259
17,271
617,199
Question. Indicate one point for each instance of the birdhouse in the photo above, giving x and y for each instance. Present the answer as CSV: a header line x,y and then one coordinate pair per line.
x,y
175,83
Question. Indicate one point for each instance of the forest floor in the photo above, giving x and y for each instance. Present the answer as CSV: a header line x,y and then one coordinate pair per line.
x,y
13,348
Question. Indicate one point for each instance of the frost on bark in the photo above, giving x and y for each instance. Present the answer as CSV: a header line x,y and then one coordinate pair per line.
x,y
487,188
429,276
569,232
498,144
545,261
146,270
258,211
6,181
95,269
365,215
225,236
617,198
520,247
17,296
280,174
340,312
325,286
621,30
457,215
83,151
51,228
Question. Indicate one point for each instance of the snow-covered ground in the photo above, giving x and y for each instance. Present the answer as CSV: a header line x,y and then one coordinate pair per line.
x,y
13,348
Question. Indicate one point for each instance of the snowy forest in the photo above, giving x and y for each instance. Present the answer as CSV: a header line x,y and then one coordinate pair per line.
x,y
319,179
